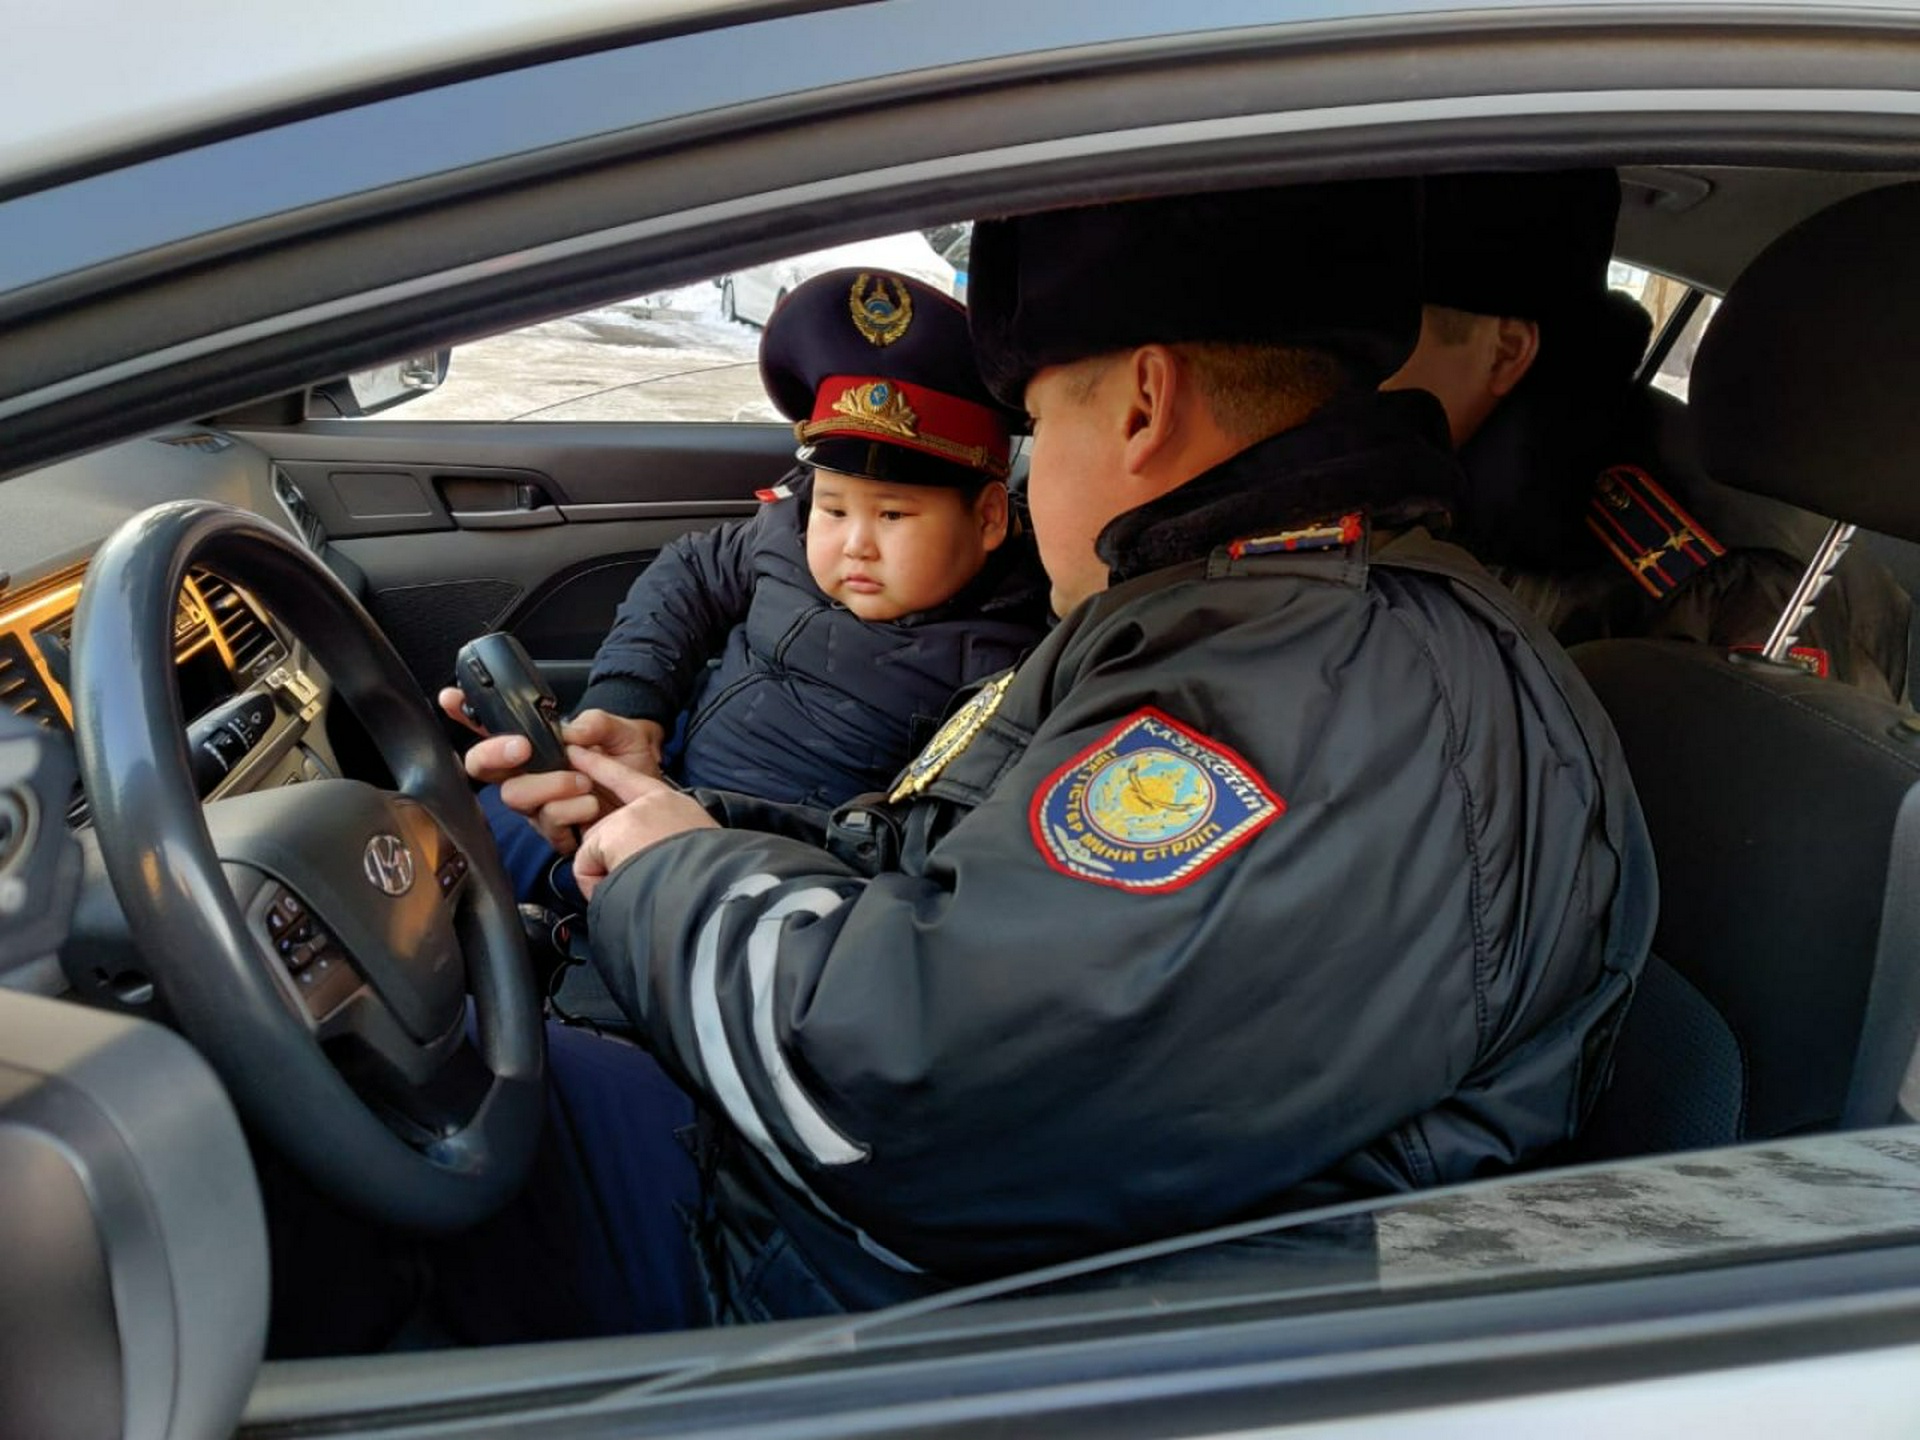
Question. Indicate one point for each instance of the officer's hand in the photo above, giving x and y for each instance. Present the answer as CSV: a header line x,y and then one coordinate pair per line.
x,y
558,803
637,744
651,810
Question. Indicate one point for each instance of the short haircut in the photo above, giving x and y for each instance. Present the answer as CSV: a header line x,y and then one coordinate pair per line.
x,y
1451,326
1254,391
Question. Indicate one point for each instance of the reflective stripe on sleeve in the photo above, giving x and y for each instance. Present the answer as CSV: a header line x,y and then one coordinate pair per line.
x,y
717,1059
821,1137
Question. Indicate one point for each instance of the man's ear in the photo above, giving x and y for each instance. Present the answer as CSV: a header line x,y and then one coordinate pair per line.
x,y
1156,383
990,509
1516,345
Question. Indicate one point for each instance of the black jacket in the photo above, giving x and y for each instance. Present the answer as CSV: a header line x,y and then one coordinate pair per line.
x,y
1275,876
787,695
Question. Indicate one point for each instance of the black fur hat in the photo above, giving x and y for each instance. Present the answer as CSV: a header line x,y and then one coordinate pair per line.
x,y
1531,244
1333,267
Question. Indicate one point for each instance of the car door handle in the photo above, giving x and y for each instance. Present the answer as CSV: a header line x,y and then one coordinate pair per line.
x,y
507,519
477,503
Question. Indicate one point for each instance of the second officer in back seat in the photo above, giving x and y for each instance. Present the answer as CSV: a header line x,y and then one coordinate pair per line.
x,y
1581,491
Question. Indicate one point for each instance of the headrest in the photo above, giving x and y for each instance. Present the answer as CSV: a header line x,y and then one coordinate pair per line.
x,y
1334,267
1804,387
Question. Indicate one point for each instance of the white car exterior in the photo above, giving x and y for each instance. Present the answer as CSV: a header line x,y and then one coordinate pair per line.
x,y
751,294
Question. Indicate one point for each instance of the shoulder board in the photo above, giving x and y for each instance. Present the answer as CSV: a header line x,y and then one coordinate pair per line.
x,y
1347,530
1660,545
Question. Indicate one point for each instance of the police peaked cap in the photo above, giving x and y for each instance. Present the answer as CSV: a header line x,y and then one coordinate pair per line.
x,y
876,372
1333,267
1530,244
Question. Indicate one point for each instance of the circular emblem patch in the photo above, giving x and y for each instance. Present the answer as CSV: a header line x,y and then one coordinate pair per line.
x,y
951,738
1147,798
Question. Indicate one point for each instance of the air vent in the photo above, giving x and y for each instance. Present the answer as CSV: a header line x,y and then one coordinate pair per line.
x,y
204,441
21,689
299,511
252,642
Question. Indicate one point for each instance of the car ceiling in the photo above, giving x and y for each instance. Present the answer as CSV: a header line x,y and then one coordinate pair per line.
x,y
1703,225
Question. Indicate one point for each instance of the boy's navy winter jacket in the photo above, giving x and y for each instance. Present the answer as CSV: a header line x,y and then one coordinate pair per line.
x,y
786,694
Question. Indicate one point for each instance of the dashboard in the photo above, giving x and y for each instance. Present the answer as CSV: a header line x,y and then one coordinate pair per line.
x,y
254,713
242,694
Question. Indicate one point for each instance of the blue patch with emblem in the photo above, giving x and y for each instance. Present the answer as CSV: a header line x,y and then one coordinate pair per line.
x,y
1151,806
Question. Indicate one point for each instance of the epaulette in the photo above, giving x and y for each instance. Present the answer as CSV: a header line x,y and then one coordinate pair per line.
x,y
1644,528
1347,530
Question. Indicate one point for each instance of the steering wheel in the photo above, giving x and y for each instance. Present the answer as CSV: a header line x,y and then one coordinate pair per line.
x,y
318,942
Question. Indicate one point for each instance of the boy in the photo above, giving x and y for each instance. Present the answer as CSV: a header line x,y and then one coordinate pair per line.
x,y
807,654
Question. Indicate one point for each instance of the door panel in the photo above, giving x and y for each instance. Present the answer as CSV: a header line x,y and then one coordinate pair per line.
x,y
459,528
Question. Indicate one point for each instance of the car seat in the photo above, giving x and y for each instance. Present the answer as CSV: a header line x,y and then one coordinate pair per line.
x,y
1784,809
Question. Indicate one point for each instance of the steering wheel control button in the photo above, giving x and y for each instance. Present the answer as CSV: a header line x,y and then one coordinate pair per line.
x,y
452,871
295,935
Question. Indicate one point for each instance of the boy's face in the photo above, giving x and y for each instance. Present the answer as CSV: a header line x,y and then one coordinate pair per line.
x,y
885,550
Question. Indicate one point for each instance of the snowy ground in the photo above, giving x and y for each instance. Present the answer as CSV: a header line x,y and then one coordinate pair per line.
x,y
657,357
672,356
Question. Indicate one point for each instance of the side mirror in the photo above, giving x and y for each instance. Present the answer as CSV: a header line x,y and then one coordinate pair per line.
x,y
368,392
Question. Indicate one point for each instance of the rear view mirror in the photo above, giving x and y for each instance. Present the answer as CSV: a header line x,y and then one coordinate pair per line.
x,y
367,392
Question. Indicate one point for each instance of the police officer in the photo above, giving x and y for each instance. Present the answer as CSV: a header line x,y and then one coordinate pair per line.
x,y
1295,864
1568,496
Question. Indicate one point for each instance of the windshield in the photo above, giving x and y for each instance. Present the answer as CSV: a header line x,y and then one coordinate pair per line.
x,y
1669,1214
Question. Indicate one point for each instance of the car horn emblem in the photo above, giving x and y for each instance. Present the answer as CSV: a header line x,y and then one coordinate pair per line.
x,y
390,864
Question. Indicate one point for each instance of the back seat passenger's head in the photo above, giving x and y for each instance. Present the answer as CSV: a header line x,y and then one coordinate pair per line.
x,y
1531,466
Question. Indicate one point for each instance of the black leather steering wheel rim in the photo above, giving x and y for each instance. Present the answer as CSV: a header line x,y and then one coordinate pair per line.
x,y
174,887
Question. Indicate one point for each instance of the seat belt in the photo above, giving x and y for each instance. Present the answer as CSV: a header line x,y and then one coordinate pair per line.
x,y
1890,1024
1912,696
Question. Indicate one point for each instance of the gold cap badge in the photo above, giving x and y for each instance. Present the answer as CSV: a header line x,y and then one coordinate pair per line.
x,y
880,317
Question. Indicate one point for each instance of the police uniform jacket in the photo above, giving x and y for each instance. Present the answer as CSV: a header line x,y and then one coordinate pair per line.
x,y
1276,874
786,694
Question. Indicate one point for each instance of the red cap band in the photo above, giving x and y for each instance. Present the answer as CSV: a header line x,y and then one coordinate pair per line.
x,y
874,407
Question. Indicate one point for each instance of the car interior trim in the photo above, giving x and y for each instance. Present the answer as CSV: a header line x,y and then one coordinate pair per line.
x,y
629,89
361,327
1304,64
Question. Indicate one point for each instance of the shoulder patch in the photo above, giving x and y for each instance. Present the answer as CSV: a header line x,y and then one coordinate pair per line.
x,y
1150,806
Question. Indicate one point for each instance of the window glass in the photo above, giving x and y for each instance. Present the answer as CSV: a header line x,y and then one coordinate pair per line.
x,y
690,354
1677,368
1660,295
